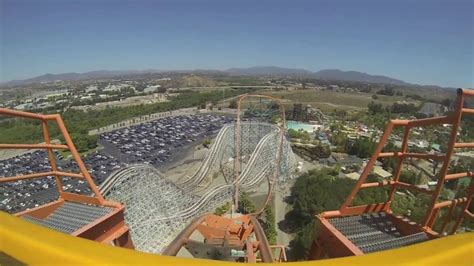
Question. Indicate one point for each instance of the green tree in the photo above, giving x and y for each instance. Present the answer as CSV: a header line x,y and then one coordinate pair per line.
x,y
206,142
362,147
317,191
409,177
375,108
246,206
222,209
233,104
269,225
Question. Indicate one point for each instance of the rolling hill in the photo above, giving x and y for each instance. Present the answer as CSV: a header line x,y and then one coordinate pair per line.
x,y
327,74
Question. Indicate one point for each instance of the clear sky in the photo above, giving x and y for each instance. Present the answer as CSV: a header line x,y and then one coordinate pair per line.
x,y
419,41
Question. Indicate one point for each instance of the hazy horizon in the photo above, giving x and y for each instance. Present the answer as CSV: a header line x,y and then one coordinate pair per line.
x,y
423,42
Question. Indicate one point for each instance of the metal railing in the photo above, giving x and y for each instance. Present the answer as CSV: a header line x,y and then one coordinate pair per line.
x,y
96,199
434,206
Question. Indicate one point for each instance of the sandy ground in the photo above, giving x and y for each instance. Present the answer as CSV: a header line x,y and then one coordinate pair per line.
x,y
7,154
281,208
188,165
192,159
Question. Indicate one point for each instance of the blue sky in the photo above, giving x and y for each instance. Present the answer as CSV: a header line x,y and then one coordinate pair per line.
x,y
419,41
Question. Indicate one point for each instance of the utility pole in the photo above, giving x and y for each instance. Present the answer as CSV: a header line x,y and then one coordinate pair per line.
x,y
223,93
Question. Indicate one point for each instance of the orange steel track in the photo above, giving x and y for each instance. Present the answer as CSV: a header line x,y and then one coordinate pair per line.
x,y
110,228
243,233
237,149
331,242
222,234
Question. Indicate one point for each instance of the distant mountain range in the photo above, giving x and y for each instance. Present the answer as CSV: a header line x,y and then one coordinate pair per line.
x,y
269,70
328,74
46,78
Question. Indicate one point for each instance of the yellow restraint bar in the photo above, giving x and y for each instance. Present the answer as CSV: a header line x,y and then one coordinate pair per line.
x,y
27,243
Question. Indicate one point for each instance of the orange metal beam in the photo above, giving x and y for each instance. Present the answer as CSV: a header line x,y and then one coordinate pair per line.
x,y
34,146
455,120
377,184
335,243
37,175
459,175
10,112
430,121
464,145
28,176
78,159
468,110
51,155
448,203
330,214
355,210
80,198
370,165
42,211
401,158
59,174
437,157
413,187
329,240
447,217
469,214
109,228
468,92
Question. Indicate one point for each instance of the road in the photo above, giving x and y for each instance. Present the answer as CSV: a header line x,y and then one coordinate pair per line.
x,y
280,211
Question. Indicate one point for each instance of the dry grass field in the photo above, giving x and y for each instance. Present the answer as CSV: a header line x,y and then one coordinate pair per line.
x,y
328,101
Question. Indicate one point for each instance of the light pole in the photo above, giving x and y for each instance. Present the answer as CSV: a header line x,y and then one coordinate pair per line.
x,y
223,98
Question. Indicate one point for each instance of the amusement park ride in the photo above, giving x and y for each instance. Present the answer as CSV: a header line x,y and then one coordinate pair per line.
x,y
351,230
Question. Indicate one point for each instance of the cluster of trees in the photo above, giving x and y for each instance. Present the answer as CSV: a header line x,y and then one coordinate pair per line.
x,y
390,163
80,122
299,134
317,191
83,142
233,104
410,177
406,108
269,225
460,166
415,97
223,209
389,91
467,124
396,108
246,206
322,190
362,147
312,152
375,108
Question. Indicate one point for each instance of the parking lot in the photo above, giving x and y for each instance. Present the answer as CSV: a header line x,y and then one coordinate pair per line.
x,y
154,142
17,196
